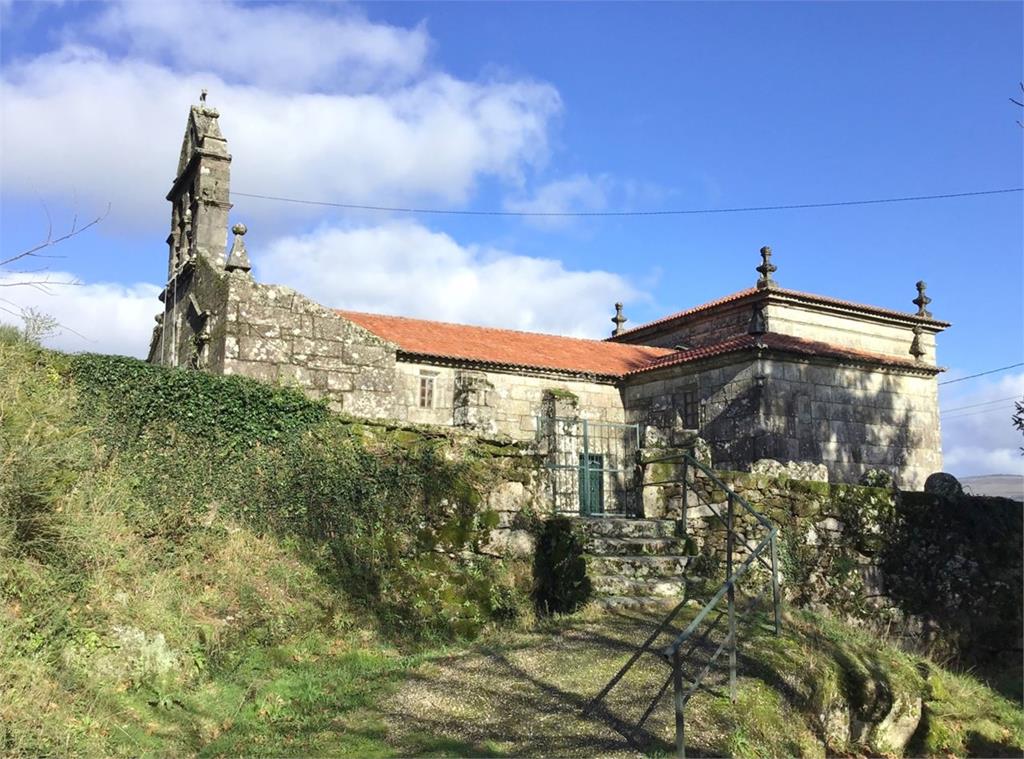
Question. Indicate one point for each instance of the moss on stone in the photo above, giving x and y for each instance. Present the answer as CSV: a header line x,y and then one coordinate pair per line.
x,y
561,394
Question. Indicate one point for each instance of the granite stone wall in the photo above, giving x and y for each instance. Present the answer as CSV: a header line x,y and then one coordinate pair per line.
x,y
860,332
494,402
700,329
850,418
274,334
728,399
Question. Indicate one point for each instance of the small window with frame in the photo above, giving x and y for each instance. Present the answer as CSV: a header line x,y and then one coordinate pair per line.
x,y
428,387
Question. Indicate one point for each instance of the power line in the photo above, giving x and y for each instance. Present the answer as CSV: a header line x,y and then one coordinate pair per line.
x,y
982,374
978,413
986,403
666,212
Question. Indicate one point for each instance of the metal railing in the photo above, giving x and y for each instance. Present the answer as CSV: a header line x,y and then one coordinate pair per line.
x,y
687,645
590,464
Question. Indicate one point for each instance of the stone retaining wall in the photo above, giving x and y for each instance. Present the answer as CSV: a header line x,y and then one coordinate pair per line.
x,y
942,572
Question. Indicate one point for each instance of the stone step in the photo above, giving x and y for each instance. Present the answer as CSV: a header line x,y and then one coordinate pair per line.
x,y
624,527
636,603
639,567
616,585
601,546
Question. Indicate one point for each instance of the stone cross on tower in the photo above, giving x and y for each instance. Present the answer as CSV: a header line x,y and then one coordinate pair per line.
x,y
922,301
618,320
766,269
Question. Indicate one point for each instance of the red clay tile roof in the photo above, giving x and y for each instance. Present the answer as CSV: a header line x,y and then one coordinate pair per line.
x,y
510,348
785,343
505,347
796,294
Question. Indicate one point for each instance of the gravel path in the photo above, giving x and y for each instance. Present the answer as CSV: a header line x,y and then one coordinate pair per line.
x,y
523,695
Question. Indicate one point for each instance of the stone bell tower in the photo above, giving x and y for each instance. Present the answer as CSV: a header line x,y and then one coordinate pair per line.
x,y
197,243
200,193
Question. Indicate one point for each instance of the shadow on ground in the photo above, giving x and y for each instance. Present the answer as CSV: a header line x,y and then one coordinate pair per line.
x,y
525,696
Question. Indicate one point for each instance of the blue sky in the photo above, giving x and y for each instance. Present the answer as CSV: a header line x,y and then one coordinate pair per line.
x,y
547,107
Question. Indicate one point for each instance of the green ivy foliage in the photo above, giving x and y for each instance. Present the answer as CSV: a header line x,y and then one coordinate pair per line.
x,y
397,514
130,397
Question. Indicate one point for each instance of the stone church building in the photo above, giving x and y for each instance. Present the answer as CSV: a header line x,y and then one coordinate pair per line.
x,y
765,372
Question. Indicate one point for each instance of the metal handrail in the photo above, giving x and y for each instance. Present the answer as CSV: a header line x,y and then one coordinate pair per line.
x,y
710,473
671,653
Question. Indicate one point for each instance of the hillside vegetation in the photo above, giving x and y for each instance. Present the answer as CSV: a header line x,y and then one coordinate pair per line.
x,y
200,565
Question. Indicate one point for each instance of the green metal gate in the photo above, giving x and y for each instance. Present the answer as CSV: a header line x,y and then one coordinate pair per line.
x,y
591,465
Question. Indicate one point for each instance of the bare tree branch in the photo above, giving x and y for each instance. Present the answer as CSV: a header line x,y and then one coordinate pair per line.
x,y
38,325
50,240
40,284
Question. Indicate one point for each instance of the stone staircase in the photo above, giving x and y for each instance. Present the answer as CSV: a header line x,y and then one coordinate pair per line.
x,y
635,563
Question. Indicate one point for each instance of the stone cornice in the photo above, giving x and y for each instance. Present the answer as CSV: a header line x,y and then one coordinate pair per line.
x,y
190,167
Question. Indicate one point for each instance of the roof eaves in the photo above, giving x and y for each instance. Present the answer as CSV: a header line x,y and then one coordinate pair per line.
x,y
447,359
741,296
785,344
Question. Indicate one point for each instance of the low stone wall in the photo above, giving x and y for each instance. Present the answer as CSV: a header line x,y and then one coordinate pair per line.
x,y
943,573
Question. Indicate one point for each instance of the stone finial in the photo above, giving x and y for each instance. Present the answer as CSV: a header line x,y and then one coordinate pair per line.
x,y
618,320
766,269
922,301
238,259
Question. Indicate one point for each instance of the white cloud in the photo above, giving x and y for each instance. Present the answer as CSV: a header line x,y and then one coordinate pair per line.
x,y
404,268
580,192
398,268
81,122
107,317
982,439
273,45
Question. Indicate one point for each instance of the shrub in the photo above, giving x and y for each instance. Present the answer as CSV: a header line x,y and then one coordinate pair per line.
x,y
560,577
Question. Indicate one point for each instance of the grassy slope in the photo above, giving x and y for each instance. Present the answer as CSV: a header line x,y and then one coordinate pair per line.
x,y
196,634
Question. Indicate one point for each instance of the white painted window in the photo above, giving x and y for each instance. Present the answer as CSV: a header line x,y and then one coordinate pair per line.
x,y
428,381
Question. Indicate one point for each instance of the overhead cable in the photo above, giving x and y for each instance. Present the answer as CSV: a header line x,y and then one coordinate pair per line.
x,y
982,374
662,212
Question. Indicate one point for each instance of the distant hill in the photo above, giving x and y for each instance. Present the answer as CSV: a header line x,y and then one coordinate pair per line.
x,y
1004,485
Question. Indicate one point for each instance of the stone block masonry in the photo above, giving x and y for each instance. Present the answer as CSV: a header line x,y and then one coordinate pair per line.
x,y
494,402
276,335
848,417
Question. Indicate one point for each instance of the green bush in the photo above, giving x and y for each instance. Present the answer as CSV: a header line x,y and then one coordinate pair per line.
x,y
561,585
